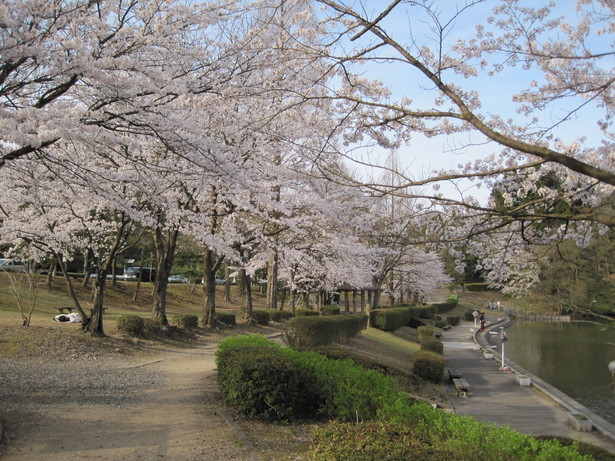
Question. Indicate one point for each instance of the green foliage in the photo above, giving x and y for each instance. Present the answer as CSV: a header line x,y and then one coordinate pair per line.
x,y
473,439
262,381
130,325
468,315
415,323
424,331
330,310
449,305
226,317
390,319
303,312
429,366
314,331
432,344
374,441
423,312
348,392
186,321
261,316
453,320
279,316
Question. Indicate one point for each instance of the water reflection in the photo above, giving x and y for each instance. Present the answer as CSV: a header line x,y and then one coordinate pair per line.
x,y
572,357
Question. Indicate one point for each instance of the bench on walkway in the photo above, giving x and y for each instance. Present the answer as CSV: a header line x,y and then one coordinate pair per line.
x,y
447,327
62,309
437,334
461,387
454,373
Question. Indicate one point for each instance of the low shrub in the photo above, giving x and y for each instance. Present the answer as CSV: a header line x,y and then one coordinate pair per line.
x,y
279,316
330,310
432,344
239,341
303,312
261,316
262,381
425,331
429,366
131,325
453,320
186,321
308,332
477,286
439,323
390,319
423,312
226,318
468,315
374,440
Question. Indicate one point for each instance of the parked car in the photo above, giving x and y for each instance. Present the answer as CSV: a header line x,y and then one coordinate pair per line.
x,y
145,274
12,265
219,280
178,279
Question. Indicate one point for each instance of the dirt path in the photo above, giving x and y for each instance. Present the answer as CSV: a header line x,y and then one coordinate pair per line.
x,y
178,418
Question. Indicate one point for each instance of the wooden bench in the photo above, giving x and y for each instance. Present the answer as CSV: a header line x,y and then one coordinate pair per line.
x,y
62,309
461,387
437,334
454,373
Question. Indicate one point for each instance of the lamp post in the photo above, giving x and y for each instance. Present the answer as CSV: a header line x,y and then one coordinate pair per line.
x,y
475,314
612,370
503,339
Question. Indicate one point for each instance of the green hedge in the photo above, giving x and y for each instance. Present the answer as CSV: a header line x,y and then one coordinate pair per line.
x,y
263,381
279,316
425,331
303,312
432,344
226,317
261,316
420,432
423,312
453,320
131,325
330,310
390,319
313,331
429,366
186,321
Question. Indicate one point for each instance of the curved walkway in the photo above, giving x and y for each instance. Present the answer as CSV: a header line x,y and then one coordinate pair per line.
x,y
496,397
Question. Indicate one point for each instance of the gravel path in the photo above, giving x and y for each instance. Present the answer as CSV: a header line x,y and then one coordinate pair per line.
x,y
64,398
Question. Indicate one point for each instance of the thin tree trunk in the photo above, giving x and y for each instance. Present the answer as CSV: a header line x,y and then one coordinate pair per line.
x,y
85,320
138,285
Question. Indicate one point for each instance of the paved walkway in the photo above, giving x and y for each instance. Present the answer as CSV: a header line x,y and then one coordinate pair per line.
x,y
496,397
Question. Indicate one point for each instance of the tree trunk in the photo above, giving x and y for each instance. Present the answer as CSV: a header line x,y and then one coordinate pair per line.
x,y
272,282
209,290
85,320
227,283
165,254
246,299
138,285
95,325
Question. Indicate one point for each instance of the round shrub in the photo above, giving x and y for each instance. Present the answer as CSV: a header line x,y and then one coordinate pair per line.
x,y
432,344
302,312
262,381
468,315
330,310
186,321
260,316
131,325
226,318
278,316
424,331
429,366
453,320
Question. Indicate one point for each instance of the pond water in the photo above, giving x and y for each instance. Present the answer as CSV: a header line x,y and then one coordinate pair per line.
x,y
573,357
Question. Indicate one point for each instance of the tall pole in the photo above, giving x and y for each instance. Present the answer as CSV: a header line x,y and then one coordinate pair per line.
x,y
503,339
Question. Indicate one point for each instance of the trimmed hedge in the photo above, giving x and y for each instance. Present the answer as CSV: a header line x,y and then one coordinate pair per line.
x,y
186,321
303,312
432,344
374,441
420,432
261,316
425,331
131,325
226,317
429,366
390,319
423,312
330,310
314,331
453,319
263,381
278,316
